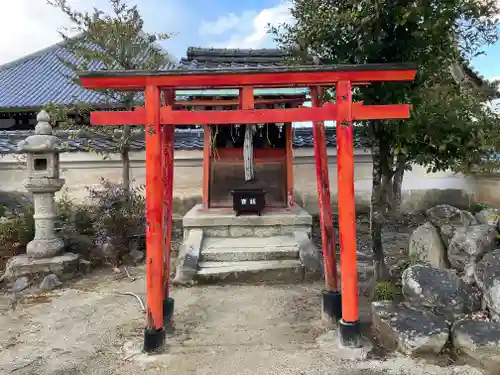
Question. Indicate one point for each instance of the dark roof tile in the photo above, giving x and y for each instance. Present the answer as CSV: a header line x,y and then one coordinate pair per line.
x,y
191,139
41,78
199,58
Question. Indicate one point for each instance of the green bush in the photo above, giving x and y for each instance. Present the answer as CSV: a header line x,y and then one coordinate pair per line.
x,y
386,291
73,217
112,216
16,230
477,207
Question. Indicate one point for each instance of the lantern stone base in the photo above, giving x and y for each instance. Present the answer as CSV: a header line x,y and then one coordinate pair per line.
x,y
65,266
44,247
220,246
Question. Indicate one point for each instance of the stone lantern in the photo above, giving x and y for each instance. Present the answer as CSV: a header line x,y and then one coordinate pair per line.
x,y
42,151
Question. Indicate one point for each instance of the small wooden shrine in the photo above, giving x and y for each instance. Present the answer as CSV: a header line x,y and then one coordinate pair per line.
x,y
246,166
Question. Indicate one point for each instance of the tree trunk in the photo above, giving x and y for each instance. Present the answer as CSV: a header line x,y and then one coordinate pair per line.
x,y
125,157
379,204
396,184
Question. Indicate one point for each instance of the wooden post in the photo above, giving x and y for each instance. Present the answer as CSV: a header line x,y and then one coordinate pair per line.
x,y
349,325
331,296
289,164
168,138
154,335
207,161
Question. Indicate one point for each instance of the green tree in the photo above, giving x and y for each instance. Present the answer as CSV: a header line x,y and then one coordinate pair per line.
x,y
105,41
449,126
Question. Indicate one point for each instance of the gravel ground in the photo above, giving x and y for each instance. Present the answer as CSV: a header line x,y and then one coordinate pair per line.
x,y
89,328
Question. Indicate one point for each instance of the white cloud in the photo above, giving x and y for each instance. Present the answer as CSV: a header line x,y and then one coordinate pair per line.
x,y
30,25
222,25
249,30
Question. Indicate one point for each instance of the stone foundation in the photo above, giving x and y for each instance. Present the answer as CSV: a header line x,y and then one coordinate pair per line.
x,y
272,244
223,222
64,266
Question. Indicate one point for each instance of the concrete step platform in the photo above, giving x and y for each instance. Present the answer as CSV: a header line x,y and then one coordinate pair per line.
x,y
289,270
234,249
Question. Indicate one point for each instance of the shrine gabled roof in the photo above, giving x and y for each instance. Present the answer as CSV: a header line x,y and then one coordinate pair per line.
x,y
185,139
202,58
42,78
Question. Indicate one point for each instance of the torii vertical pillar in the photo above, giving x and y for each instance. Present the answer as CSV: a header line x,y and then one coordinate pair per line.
x,y
349,325
168,135
154,335
331,297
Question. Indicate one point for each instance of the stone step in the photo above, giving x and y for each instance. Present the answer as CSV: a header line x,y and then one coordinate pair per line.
x,y
289,270
219,249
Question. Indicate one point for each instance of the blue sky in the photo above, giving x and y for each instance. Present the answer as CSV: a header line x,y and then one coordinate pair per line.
x,y
205,23
229,22
221,23
487,64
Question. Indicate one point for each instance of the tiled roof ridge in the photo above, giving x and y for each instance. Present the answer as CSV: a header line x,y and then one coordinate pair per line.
x,y
41,78
230,51
171,59
231,58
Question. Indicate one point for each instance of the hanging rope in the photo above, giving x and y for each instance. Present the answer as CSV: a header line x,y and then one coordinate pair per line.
x,y
248,152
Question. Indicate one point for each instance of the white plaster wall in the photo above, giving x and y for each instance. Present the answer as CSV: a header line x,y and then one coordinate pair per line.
x,y
420,189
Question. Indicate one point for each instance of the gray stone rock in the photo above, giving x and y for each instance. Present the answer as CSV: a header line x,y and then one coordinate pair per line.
x,y
443,214
189,254
487,276
448,218
439,290
480,342
412,332
468,245
20,284
427,246
489,215
308,253
50,282
447,231
65,266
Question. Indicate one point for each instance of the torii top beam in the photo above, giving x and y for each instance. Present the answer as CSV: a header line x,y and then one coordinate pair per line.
x,y
257,77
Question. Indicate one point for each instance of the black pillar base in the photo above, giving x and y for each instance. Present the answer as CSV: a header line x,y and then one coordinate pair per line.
x,y
350,334
332,305
168,312
154,340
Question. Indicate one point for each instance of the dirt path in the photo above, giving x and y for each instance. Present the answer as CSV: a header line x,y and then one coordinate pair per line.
x,y
88,328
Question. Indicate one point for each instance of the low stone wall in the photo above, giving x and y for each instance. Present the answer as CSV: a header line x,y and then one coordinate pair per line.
x,y
420,189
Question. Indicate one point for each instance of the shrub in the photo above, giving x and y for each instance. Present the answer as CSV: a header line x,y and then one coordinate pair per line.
x,y
73,217
477,207
16,230
118,214
386,291
102,229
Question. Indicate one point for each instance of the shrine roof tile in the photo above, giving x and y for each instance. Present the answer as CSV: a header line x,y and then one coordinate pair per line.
x,y
185,139
203,58
41,78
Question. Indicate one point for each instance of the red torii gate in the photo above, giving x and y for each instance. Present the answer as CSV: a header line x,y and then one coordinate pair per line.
x,y
160,150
